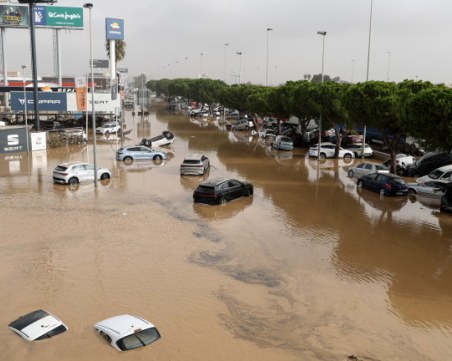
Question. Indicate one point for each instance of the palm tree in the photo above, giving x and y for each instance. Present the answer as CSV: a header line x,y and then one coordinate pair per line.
x,y
120,49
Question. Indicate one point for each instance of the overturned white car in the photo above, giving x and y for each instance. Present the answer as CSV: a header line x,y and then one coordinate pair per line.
x,y
127,332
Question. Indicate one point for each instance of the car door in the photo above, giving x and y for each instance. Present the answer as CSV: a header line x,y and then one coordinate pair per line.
x,y
372,182
234,189
88,171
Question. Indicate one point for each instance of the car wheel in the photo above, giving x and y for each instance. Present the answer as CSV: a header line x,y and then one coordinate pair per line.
x,y
360,184
348,156
105,176
223,200
107,133
382,192
356,155
350,173
322,156
158,157
411,192
247,128
73,180
147,143
128,160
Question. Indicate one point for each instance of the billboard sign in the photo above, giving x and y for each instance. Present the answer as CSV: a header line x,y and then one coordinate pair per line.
x,y
101,63
44,17
114,29
13,16
47,101
58,17
13,140
102,103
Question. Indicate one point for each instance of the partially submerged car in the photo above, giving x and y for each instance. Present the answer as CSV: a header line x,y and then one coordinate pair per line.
x,y
161,140
221,190
38,325
139,152
327,150
127,332
386,184
366,168
282,142
107,128
75,172
194,164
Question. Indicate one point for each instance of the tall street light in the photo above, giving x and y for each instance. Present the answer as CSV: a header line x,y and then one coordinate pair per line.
x,y
353,70
323,33
25,108
89,6
368,46
200,65
225,62
389,62
239,53
266,71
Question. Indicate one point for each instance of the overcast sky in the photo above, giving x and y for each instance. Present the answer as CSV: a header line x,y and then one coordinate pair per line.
x,y
410,39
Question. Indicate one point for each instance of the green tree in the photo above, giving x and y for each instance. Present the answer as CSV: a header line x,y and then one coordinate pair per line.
x,y
430,112
120,49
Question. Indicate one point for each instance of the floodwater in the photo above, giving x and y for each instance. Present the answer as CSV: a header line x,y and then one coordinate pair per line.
x,y
306,269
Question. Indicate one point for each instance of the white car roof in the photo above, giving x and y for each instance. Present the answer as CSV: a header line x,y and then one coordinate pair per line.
x,y
123,325
35,324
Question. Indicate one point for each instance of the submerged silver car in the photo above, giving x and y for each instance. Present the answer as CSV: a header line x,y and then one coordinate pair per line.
x,y
194,164
139,152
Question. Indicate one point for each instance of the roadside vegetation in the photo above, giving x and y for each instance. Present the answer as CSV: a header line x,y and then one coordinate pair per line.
x,y
421,109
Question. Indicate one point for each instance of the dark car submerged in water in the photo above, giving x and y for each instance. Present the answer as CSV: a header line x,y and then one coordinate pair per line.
x,y
221,190
384,183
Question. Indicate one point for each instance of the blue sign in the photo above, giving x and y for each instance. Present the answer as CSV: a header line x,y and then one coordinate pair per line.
x,y
114,29
47,101
39,15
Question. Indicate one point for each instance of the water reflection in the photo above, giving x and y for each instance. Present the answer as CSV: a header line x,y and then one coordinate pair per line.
x,y
222,212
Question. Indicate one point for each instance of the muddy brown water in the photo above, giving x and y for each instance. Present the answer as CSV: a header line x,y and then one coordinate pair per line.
x,y
306,269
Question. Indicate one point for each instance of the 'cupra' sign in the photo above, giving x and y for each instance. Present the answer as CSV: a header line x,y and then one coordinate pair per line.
x,y
114,29
47,101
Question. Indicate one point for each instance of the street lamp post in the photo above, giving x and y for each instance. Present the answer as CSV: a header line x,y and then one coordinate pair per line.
x,y
266,71
225,62
200,65
323,33
368,46
89,6
25,109
389,62
353,70
239,53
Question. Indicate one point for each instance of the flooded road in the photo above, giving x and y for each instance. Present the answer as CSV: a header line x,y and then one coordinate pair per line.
x,y
309,268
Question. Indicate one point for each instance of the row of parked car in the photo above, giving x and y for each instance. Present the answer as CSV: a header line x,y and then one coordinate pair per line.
x,y
436,185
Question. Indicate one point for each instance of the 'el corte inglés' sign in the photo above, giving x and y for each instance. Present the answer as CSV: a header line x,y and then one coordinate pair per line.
x,y
57,16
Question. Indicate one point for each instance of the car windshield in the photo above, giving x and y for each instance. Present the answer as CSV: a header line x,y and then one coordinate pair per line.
x,y
192,161
435,174
138,339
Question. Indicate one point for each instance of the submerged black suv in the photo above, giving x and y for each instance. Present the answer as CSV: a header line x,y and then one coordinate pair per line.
x,y
221,190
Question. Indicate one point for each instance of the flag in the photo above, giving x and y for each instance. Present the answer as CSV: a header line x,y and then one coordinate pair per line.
x,y
81,90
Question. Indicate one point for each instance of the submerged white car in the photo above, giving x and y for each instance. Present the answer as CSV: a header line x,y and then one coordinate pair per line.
x,y
127,332
327,150
75,172
107,128
38,325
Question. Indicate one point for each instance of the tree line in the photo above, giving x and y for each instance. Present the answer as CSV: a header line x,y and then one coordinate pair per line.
x,y
421,109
